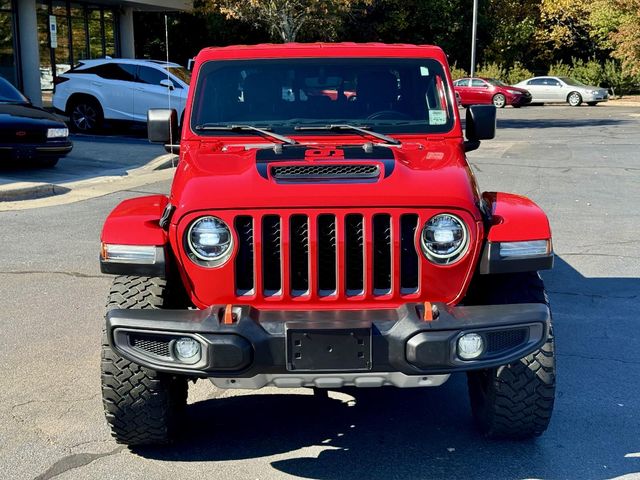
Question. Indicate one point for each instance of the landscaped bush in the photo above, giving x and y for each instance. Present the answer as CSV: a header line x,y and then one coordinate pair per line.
x,y
618,79
517,73
491,70
457,72
560,70
589,72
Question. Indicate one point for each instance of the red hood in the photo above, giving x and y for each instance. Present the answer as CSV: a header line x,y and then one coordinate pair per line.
x,y
432,173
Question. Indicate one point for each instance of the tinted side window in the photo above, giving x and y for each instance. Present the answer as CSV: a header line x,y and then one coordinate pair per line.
x,y
113,71
536,81
552,82
150,75
476,82
463,82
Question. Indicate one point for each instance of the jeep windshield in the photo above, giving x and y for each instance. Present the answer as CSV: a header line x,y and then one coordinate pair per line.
x,y
383,95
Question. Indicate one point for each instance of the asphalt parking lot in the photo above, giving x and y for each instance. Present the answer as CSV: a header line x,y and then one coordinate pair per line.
x,y
582,165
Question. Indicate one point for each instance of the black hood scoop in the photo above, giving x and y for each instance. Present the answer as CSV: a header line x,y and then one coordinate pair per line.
x,y
349,164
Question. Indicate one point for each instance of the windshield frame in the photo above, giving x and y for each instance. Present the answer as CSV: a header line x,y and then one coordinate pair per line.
x,y
288,126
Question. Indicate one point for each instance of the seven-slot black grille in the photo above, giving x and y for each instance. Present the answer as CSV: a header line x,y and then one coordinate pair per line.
x,y
327,255
355,171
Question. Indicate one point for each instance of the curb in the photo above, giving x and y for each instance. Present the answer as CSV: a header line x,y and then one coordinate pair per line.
x,y
20,191
27,191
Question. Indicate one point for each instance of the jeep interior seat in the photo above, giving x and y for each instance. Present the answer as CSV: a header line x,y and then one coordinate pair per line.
x,y
377,91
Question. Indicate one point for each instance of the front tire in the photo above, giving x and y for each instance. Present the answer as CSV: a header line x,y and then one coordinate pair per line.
x,y
574,99
499,100
514,400
141,406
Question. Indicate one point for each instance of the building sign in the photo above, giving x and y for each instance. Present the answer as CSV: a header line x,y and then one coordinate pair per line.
x,y
53,31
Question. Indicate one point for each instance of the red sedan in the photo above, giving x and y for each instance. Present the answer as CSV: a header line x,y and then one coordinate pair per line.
x,y
477,90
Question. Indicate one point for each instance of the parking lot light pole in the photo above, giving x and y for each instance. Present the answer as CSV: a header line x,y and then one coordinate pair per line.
x,y
473,38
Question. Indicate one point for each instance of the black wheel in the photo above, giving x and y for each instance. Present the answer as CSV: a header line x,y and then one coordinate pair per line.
x,y
499,100
592,104
85,114
141,406
514,400
574,99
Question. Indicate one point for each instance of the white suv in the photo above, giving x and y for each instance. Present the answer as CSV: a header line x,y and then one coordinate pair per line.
x,y
119,89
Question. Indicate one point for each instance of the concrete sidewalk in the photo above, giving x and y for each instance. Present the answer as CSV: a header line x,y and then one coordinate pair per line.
x,y
97,166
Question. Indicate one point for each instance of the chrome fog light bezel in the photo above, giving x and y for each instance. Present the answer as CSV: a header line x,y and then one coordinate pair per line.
x,y
470,356
189,359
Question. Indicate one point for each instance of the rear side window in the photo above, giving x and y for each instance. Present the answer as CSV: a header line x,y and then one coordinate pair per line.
x,y
536,81
113,71
151,75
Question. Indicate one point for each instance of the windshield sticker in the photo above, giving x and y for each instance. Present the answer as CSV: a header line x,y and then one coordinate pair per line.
x,y
424,71
437,117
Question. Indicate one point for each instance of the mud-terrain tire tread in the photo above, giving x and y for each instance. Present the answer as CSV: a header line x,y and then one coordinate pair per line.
x,y
516,400
141,406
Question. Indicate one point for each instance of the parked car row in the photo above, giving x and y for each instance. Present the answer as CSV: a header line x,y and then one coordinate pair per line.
x,y
479,90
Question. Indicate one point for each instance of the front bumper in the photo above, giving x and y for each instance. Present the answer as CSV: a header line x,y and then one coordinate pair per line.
x,y
19,151
591,97
242,342
520,100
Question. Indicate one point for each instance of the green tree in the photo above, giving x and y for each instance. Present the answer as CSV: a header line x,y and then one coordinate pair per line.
x,y
564,31
286,19
511,28
626,40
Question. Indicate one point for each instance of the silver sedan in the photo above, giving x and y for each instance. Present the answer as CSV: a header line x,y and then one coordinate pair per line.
x,y
563,89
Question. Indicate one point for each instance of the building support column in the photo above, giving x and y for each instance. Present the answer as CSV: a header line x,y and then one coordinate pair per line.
x,y
127,46
29,51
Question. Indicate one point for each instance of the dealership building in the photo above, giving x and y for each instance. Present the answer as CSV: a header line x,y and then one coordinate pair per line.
x,y
40,39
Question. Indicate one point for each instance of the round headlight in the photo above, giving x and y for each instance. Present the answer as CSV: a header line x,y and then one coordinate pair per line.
x,y
209,240
444,238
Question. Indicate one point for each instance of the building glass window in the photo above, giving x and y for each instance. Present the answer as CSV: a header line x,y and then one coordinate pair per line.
x,y
46,69
8,68
78,32
62,53
84,31
109,33
96,37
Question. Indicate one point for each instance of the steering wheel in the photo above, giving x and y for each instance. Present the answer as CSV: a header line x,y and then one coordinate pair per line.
x,y
388,115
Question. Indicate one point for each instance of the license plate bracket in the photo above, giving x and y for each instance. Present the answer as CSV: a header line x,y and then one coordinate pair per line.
x,y
328,348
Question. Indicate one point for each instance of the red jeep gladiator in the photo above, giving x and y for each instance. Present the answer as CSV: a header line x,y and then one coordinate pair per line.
x,y
324,229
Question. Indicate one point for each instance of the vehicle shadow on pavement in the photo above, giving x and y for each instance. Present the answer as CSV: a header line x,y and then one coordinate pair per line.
x,y
428,433
559,122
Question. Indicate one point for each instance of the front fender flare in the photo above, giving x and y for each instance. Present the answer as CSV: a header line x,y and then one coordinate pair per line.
x,y
136,222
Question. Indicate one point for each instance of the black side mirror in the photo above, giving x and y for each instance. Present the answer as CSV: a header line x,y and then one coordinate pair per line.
x,y
162,127
480,125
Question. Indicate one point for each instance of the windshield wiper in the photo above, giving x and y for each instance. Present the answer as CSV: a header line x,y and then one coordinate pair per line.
x,y
245,128
342,127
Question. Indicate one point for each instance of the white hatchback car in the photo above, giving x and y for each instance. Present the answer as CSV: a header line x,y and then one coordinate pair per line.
x,y
119,89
